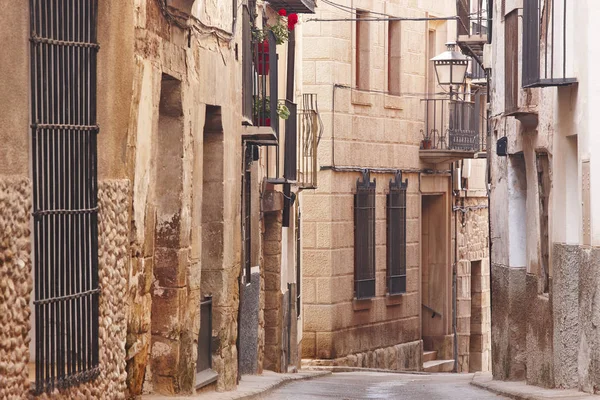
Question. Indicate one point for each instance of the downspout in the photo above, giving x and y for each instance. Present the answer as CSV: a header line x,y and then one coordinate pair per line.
x,y
454,267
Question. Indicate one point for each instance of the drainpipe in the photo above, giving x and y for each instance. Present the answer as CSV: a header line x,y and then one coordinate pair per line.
x,y
454,270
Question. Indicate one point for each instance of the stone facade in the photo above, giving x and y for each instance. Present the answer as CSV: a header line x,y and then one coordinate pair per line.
x,y
473,285
373,120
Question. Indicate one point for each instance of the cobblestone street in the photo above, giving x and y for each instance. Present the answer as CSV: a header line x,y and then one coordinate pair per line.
x,y
369,385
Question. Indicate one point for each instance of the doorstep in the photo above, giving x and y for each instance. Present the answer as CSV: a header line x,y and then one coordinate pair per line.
x,y
250,386
523,391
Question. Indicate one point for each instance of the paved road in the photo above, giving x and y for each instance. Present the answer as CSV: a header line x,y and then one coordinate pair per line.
x,y
371,385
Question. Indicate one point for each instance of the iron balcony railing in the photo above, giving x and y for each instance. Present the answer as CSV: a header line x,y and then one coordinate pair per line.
x,y
311,129
260,77
454,124
476,72
545,40
294,6
472,18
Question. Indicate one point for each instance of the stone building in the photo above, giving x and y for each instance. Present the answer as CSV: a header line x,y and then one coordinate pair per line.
x,y
544,237
149,211
380,255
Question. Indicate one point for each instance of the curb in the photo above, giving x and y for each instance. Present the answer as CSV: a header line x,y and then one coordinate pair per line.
x,y
258,394
522,391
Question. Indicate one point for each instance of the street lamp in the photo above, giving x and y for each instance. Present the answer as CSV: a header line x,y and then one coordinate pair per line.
x,y
450,66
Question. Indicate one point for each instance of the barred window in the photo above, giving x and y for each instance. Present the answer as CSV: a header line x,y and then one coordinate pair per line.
x,y
364,238
65,192
396,236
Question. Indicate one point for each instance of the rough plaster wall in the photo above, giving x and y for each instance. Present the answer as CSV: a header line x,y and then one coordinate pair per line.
x,y
113,268
540,349
508,323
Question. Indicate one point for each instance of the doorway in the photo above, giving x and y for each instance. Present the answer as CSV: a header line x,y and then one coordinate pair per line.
x,y
435,269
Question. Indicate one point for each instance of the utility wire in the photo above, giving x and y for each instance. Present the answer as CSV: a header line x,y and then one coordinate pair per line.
x,y
454,18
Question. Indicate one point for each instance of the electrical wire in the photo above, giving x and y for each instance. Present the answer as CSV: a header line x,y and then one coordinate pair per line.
x,y
386,19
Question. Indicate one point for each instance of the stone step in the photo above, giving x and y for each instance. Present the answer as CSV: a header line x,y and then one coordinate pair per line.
x,y
429,356
438,366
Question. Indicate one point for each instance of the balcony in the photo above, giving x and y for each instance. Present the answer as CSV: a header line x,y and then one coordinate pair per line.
x,y
259,87
311,129
454,130
294,6
473,25
545,38
476,74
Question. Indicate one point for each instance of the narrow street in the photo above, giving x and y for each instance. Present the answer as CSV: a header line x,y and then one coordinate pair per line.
x,y
370,385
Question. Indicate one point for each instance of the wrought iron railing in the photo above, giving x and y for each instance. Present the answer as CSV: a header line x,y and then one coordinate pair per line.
x,y
311,129
476,72
472,18
260,77
545,43
454,124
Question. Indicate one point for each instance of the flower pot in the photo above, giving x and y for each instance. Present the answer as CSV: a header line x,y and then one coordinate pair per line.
x,y
263,58
264,121
426,144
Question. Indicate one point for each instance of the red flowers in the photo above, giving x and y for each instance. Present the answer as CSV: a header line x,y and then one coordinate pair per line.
x,y
292,21
282,12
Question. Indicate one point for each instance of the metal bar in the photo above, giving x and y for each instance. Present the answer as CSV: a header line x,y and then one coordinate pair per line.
x,y
564,39
37,40
63,298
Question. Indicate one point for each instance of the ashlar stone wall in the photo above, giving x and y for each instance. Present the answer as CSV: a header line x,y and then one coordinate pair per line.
x,y
473,284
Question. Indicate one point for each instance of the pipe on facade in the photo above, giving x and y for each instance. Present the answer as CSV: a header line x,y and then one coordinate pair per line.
x,y
454,267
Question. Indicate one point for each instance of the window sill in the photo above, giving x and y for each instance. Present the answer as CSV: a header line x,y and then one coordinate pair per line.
x,y
393,102
360,98
362,304
206,377
392,300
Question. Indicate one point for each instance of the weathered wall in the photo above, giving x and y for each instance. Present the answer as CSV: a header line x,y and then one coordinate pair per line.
x,y
15,248
576,314
167,283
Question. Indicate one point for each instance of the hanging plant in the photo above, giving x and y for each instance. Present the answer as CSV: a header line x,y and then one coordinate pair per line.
x,y
281,29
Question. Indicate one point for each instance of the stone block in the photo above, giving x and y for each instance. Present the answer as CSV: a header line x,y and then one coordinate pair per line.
x,y
170,266
324,345
309,344
318,318
164,356
166,309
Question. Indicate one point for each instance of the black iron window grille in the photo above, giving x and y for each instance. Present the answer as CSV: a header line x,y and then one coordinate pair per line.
x,y
364,237
65,191
545,43
396,235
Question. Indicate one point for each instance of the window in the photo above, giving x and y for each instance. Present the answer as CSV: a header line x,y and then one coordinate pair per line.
x,y
363,68
396,236
364,238
511,61
65,194
394,56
